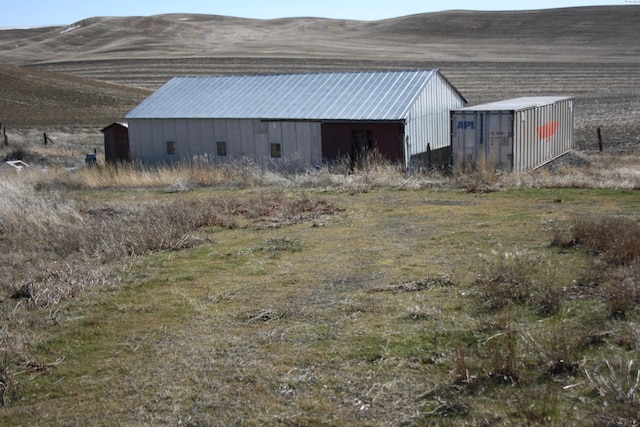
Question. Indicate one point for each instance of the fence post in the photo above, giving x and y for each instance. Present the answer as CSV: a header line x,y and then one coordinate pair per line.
x,y
599,139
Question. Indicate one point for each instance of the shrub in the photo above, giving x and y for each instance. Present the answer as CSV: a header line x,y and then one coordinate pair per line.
x,y
622,291
477,178
18,154
616,238
506,282
517,279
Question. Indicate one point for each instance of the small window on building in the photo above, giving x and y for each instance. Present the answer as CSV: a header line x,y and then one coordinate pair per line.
x,y
221,148
276,150
171,148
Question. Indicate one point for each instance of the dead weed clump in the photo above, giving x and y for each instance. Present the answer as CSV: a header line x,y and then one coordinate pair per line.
x,y
275,208
621,291
617,382
517,279
617,241
481,177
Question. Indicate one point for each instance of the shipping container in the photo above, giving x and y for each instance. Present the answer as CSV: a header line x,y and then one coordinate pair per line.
x,y
515,134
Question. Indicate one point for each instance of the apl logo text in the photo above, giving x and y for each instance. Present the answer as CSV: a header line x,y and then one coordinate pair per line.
x,y
462,124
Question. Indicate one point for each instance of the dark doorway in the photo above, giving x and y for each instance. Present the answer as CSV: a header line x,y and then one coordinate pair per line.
x,y
345,139
361,143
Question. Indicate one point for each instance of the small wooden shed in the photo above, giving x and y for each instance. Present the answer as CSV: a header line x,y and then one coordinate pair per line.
x,y
116,143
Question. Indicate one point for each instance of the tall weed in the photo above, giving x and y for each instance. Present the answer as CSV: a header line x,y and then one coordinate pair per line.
x,y
518,279
617,239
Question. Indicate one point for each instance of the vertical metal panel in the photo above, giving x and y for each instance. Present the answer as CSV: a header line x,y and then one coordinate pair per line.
x,y
260,129
246,138
209,147
234,141
184,129
220,135
274,136
428,119
167,133
303,142
465,137
315,136
136,139
288,140
543,133
498,135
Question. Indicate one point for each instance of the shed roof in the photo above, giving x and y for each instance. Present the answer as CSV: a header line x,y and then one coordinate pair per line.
x,y
517,104
115,124
384,95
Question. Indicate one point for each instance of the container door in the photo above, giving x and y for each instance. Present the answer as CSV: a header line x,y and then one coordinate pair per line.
x,y
499,135
464,138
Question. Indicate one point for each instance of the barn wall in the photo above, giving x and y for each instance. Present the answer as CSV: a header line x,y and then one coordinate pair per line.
x,y
428,121
149,138
387,139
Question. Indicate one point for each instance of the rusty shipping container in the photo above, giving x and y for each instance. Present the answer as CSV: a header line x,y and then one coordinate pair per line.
x,y
515,134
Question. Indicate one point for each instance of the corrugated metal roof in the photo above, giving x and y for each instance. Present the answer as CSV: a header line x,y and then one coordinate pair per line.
x,y
315,96
516,104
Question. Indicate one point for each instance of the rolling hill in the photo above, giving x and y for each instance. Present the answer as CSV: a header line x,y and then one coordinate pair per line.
x,y
547,35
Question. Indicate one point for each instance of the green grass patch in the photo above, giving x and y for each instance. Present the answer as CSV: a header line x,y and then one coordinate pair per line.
x,y
382,307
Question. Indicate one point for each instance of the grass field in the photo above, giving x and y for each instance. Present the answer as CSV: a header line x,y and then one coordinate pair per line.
x,y
328,300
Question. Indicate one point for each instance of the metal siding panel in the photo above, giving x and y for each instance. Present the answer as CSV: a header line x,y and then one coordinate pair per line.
x,y
518,120
144,138
274,132
506,142
156,138
260,140
198,148
234,143
491,140
465,142
183,139
208,139
303,141
136,129
315,139
429,118
170,134
288,140
159,141
246,138
219,134
149,143
274,135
